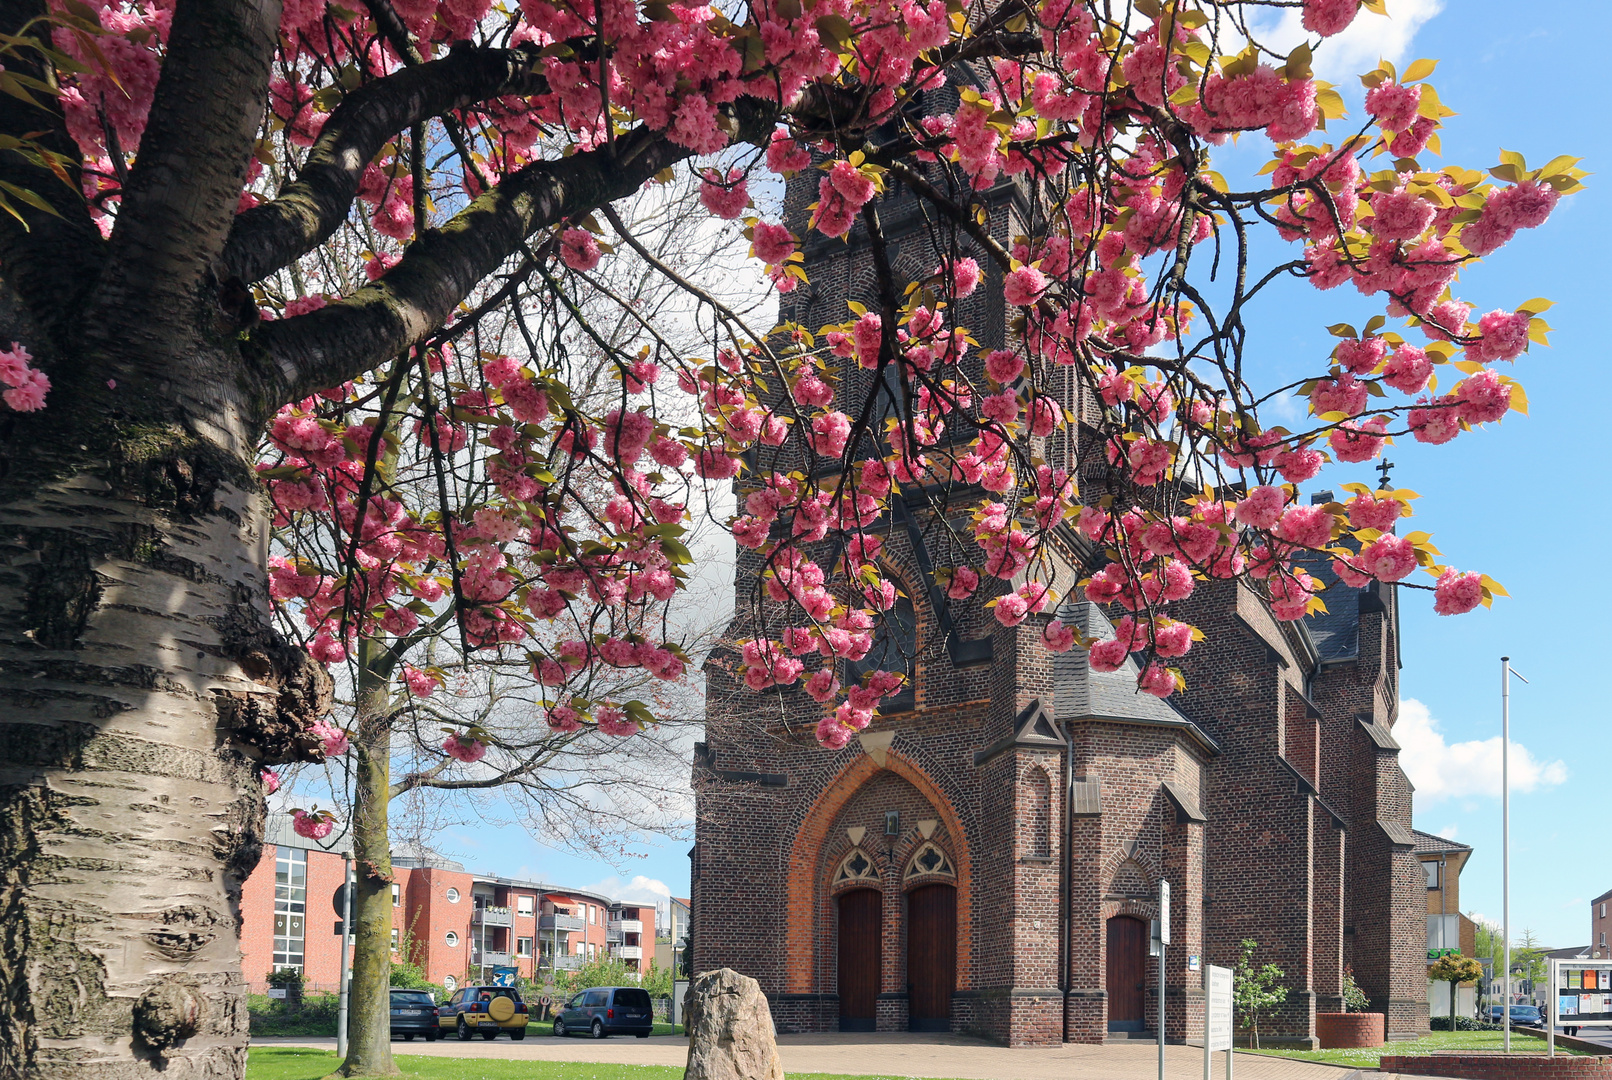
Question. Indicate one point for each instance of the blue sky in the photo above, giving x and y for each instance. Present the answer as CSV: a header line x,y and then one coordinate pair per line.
x,y
1525,502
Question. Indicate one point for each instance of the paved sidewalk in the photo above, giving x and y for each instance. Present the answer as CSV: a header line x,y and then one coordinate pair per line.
x,y
891,1054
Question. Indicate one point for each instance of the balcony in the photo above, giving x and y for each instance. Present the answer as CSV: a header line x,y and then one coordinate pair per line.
x,y
612,936
628,952
562,923
566,962
488,958
626,926
491,916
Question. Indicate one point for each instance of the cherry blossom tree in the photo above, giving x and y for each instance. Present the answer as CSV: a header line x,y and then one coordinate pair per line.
x,y
307,221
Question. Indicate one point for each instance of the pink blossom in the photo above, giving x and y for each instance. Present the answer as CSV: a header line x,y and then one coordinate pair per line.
x,y
1158,680
1457,593
1328,17
1361,357
1107,655
1505,336
1057,637
1389,558
1521,206
832,734
313,826
271,781
464,748
579,249
421,684
1368,512
1299,464
29,395
1400,215
1408,369
564,719
1394,105
1011,609
1172,638
785,155
332,738
964,275
725,198
1436,421
1004,365
823,686
1022,287
1262,507
1345,394
1306,526
963,583
1355,441
1483,396
829,433
772,244
611,720
1349,575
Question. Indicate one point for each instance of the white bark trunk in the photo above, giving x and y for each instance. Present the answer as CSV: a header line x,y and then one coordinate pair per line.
x,y
128,817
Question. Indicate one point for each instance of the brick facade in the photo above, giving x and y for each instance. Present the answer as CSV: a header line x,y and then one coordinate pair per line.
x,y
1270,794
435,918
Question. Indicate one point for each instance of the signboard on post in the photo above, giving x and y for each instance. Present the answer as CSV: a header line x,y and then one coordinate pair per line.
x,y
1164,912
1217,1018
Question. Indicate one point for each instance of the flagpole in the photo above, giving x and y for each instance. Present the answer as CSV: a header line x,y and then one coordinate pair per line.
x,y
1505,840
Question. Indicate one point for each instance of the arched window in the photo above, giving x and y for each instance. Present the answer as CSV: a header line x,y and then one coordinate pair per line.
x,y
895,643
1035,823
929,859
856,867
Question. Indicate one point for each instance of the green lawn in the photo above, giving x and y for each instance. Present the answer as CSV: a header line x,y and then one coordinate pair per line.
x,y
296,1063
1437,1042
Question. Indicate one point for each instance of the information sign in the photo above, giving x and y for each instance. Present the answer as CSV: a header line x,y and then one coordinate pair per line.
x,y
1164,912
277,992
1218,983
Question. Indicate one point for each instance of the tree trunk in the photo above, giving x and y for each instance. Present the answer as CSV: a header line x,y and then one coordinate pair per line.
x,y
369,1017
142,690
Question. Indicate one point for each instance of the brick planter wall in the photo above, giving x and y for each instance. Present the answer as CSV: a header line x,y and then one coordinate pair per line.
x,y
1499,1067
1339,1031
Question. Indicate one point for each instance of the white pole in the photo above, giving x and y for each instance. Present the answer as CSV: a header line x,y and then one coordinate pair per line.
x,y
346,931
1505,841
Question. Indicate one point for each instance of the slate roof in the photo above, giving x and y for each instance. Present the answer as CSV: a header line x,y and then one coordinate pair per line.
x,y
1079,693
1336,634
1428,844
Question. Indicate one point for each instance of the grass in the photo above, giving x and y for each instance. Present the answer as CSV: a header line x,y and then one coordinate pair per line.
x,y
1435,1043
297,1063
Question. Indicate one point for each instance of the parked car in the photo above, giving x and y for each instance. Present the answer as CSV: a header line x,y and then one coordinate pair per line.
x,y
601,1011
487,1009
414,1012
1527,1015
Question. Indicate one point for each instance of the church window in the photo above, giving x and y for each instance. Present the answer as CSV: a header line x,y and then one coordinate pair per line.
x,y
856,867
929,859
895,642
1036,821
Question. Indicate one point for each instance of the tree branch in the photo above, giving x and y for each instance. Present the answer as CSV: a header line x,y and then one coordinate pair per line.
x,y
311,208
326,347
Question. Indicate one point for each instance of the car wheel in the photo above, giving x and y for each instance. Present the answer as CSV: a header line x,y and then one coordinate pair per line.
x,y
464,1030
408,1036
598,1030
489,1035
559,1028
517,1035
643,1034
432,1036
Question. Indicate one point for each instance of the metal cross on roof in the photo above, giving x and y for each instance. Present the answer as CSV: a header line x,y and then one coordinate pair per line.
x,y
1382,468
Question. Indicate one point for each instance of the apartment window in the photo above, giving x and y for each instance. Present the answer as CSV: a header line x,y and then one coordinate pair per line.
x,y
523,905
1431,870
452,939
523,946
397,894
290,906
453,895
1603,939
1603,911
394,939
590,912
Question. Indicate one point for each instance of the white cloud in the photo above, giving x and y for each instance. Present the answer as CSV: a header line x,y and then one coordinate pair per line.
x,y
1369,38
1442,770
641,889
1449,831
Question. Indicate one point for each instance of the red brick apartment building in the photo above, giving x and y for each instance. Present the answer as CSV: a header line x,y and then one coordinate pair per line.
x,y
987,855
458,925
1600,926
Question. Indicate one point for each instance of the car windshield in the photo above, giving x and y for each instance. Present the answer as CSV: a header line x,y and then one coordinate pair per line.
x,y
412,997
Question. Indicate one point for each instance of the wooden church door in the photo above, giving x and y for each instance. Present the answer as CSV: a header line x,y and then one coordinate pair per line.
x,y
931,957
861,925
1127,974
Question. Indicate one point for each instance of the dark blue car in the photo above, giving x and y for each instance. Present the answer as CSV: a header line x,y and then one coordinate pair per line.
x,y
414,1012
601,1011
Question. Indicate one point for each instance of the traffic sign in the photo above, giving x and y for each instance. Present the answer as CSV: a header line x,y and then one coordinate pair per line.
x,y
338,900
1164,912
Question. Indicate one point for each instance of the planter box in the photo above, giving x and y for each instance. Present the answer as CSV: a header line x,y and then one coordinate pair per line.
x,y
1339,1031
1500,1067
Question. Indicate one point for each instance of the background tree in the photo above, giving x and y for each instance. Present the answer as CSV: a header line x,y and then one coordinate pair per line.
x,y
219,152
1454,969
1255,991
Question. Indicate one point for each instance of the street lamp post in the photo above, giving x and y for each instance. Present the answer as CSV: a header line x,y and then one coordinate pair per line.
x,y
1505,842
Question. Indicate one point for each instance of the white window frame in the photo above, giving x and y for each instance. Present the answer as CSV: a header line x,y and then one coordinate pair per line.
x,y
524,906
453,895
397,894
451,939
523,946
394,939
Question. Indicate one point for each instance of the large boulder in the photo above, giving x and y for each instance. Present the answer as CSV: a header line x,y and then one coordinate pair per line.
x,y
730,1029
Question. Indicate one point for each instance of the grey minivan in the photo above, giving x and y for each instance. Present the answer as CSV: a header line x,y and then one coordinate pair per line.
x,y
607,1010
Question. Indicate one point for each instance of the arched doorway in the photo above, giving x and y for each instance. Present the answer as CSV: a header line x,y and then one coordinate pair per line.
x,y
861,957
931,957
1127,974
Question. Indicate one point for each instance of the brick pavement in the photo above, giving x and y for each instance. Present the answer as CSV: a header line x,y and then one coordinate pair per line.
x,y
895,1055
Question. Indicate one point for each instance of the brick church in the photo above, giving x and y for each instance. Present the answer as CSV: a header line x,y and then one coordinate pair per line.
x,y
986,857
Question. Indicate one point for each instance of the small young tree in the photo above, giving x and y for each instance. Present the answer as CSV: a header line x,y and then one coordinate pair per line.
x,y
1354,998
1455,969
1255,990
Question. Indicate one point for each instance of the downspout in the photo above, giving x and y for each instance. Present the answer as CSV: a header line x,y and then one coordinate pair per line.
x,y
1066,873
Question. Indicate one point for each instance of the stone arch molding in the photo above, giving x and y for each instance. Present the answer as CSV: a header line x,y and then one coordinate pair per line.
x,y
802,910
856,870
929,863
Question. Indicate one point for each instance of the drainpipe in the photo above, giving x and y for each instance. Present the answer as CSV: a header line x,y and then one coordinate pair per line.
x,y
1066,873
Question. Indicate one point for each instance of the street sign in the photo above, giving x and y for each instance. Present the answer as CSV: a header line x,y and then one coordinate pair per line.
x,y
1217,981
1164,912
338,900
277,992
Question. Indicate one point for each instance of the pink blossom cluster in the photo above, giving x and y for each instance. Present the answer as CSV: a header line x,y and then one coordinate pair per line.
x,y
26,386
